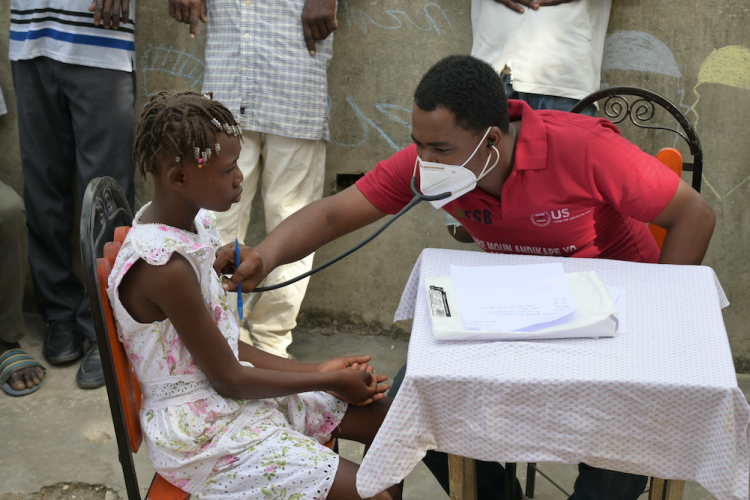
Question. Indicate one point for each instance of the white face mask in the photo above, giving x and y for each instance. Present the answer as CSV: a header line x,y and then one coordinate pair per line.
x,y
437,178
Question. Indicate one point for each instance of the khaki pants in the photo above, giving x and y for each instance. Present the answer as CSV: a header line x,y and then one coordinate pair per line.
x,y
291,172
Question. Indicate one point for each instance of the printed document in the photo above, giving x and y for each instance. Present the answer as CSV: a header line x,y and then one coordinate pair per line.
x,y
510,298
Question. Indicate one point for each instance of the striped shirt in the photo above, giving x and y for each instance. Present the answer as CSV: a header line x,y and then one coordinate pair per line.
x,y
257,64
64,30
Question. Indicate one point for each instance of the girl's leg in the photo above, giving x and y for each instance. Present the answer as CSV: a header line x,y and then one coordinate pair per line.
x,y
345,484
361,423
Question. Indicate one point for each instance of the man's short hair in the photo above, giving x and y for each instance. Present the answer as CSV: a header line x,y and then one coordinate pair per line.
x,y
469,88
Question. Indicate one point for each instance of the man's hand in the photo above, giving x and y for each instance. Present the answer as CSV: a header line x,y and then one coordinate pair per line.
x,y
114,12
250,273
318,21
189,12
533,5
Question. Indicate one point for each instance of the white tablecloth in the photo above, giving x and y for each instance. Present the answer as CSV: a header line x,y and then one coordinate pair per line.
x,y
660,400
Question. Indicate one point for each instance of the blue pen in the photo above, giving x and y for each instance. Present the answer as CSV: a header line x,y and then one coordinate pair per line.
x,y
239,285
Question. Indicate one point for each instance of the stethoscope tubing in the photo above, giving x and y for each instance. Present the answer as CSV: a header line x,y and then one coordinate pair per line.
x,y
418,197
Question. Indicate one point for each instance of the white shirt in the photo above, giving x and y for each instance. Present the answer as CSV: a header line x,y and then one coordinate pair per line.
x,y
552,51
64,30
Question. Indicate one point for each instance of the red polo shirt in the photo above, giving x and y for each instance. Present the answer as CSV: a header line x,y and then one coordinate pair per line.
x,y
577,189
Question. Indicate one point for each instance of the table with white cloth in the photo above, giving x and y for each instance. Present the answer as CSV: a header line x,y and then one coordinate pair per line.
x,y
660,400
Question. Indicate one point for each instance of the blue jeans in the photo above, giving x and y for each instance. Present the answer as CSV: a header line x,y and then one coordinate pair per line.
x,y
591,484
542,101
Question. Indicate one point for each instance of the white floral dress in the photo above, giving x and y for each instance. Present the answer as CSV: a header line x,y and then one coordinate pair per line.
x,y
208,445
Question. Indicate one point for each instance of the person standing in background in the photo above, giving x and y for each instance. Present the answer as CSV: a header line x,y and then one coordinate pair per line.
x,y
20,374
549,55
264,64
74,78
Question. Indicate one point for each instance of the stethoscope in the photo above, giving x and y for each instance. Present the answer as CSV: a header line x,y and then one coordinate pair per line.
x,y
418,198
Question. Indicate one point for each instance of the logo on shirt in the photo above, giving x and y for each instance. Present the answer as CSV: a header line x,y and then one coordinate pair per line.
x,y
546,218
481,216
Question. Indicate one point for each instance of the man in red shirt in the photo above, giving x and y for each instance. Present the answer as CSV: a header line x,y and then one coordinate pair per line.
x,y
524,181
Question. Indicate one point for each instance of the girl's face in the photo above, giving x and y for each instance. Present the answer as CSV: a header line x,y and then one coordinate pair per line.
x,y
216,186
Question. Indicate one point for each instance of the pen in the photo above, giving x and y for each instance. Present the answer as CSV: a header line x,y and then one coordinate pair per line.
x,y
239,285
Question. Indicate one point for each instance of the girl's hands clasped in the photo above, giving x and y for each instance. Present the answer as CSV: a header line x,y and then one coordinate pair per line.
x,y
359,385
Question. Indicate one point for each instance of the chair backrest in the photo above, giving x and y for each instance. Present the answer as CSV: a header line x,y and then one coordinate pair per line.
x,y
104,209
105,221
639,106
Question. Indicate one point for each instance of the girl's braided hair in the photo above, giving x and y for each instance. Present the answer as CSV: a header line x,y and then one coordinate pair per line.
x,y
181,123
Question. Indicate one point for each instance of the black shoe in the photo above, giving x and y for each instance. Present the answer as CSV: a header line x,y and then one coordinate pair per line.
x,y
63,342
90,375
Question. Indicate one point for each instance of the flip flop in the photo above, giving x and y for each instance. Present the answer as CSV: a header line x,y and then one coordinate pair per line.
x,y
11,361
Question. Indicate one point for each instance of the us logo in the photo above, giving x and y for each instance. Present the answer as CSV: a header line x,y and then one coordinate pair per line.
x,y
543,219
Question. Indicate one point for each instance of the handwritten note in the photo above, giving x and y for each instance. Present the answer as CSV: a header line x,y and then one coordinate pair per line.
x,y
510,298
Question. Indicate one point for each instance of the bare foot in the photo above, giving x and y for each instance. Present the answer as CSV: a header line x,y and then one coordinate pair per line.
x,y
25,378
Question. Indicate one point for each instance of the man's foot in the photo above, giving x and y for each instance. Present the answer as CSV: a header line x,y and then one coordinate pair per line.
x,y
90,375
63,342
20,374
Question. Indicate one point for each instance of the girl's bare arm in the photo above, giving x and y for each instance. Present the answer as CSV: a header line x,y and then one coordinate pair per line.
x,y
154,293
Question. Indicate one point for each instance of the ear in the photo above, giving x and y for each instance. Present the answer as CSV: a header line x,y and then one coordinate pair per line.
x,y
176,176
494,137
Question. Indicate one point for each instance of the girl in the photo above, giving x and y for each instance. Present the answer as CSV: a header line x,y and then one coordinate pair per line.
x,y
222,419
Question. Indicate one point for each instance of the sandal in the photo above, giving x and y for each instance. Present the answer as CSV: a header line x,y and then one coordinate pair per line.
x,y
11,361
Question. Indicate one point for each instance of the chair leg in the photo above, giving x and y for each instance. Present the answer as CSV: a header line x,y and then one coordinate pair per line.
x,y
530,480
462,475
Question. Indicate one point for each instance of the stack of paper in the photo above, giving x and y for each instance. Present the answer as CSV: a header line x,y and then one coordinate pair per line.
x,y
521,302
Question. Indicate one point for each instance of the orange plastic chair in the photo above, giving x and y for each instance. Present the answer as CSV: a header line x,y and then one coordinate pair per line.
x,y
105,220
673,159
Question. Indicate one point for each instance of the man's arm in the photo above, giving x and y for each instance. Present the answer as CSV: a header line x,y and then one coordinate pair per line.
x,y
298,236
689,221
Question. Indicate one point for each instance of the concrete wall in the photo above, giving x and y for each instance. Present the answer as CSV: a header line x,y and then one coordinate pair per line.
x,y
693,53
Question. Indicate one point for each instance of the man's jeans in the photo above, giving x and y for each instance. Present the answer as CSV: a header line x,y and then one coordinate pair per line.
x,y
542,101
591,484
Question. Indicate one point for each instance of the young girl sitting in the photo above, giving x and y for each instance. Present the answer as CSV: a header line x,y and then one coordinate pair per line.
x,y
222,419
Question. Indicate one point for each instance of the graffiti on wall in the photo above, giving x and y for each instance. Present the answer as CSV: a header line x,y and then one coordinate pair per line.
x,y
157,61
393,19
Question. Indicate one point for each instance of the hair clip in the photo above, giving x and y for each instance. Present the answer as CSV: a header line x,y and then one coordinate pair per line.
x,y
197,153
200,163
177,159
218,148
216,123
209,95
227,129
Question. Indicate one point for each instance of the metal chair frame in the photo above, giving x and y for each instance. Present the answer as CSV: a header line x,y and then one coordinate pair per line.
x,y
104,208
617,108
